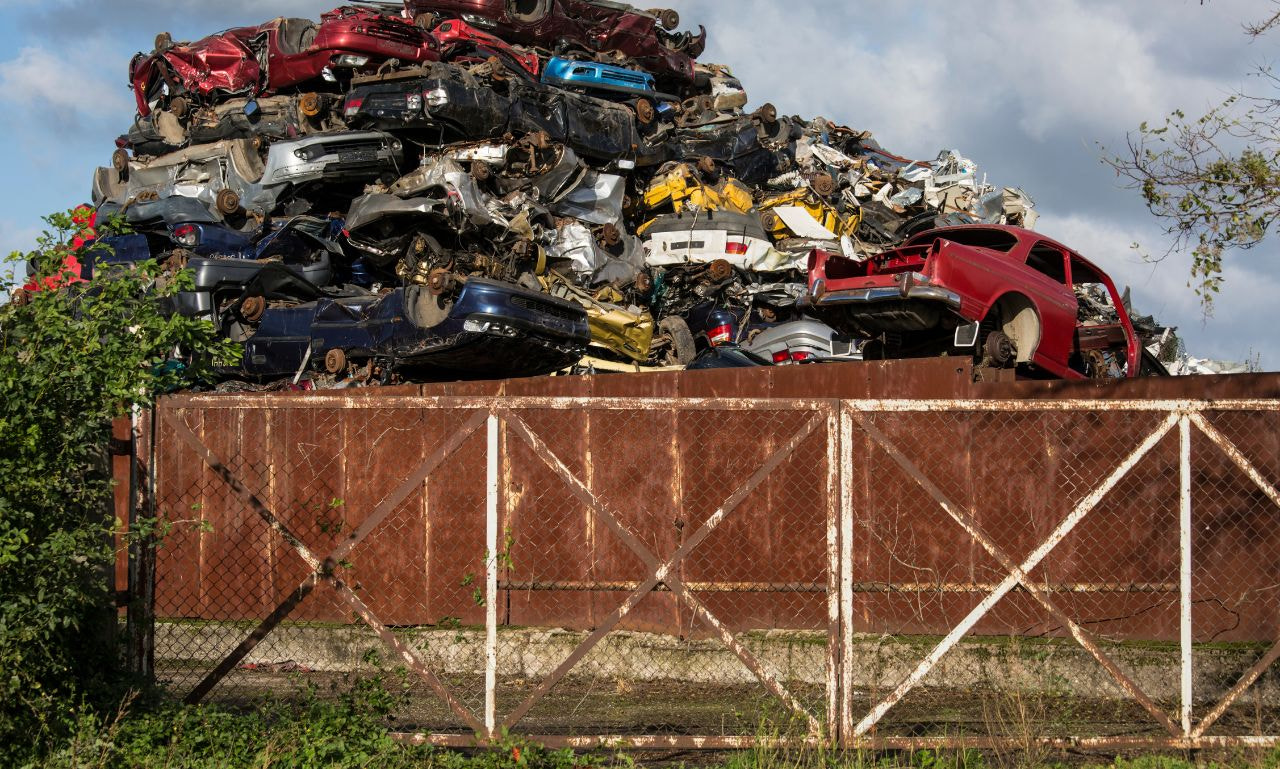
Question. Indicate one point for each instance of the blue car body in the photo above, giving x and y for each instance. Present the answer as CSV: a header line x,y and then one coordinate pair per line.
x,y
490,330
224,260
727,356
590,75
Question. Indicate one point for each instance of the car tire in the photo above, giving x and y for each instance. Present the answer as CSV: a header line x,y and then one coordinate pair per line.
x,y
681,349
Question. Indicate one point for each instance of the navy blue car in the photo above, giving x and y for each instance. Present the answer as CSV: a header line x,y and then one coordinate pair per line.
x,y
224,260
489,330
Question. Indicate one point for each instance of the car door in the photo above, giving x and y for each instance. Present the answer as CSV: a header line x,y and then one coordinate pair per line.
x,y
1048,271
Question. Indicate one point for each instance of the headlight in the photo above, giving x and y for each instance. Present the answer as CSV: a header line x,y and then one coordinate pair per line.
x,y
413,102
479,21
350,60
437,98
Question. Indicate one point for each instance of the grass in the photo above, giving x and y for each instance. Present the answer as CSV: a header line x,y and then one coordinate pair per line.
x,y
349,735
348,727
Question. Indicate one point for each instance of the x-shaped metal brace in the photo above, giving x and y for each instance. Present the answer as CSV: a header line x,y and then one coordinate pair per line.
x,y
661,572
323,570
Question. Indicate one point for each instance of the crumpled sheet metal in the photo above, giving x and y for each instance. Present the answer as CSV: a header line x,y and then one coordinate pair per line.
x,y
627,331
375,206
578,251
681,189
597,199
443,174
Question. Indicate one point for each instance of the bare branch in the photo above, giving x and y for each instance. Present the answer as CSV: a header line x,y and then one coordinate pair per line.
x,y
1262,27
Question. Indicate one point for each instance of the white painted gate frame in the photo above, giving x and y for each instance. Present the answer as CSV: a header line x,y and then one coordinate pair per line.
x,y
503,416
1180,414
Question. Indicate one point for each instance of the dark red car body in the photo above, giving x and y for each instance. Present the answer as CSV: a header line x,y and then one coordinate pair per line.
x,y
595,26
455,33
1004,278
294,51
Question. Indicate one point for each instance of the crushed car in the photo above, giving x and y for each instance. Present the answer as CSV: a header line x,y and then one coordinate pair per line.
x,y
280,54
587,27
484,329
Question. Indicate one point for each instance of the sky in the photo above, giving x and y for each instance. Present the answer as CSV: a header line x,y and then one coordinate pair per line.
x,y
1032,92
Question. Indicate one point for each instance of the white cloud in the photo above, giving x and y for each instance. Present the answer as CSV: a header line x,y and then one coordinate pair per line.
x,y
66,88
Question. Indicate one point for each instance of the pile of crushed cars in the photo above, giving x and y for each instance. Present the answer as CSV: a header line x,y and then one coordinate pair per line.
x,y
460,189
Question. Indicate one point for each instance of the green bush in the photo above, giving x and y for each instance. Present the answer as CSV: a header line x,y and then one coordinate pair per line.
x,y
71,360
348,733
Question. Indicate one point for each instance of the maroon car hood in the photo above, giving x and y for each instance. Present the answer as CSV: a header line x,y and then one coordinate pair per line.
x,y
221,62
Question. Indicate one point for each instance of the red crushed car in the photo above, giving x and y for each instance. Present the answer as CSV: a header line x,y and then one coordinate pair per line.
x,y
456,34
284,52
1013,297
596,27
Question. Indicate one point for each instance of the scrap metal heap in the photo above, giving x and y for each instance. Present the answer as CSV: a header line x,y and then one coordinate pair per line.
x,y
481,188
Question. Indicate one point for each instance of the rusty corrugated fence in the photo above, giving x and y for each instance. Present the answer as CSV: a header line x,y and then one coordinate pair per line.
x,y
668,570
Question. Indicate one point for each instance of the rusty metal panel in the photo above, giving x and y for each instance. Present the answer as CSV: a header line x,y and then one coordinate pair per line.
x,y
638,472
454,520
558,538
1236,545
389,567
303,475
1224,387
772,548
179,477
1017,476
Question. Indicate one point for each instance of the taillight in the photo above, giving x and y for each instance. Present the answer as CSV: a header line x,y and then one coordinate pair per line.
x,y
187,235
786,356
740,249
720,335
353,106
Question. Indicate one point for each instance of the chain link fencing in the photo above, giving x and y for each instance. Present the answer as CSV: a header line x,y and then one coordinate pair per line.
x,y
710,573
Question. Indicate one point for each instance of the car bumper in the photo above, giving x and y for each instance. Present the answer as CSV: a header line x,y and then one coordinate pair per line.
x,y
882,294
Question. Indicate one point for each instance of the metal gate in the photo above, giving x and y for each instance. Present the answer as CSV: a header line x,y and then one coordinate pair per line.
x,y
1144,532
565,569
668,572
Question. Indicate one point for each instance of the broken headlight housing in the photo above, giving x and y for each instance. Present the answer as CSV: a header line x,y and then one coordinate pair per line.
x,y
437,98
350,60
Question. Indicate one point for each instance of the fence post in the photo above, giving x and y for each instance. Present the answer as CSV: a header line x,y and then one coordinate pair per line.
x,y
845,730
1184,527
491,585
834,631
139,617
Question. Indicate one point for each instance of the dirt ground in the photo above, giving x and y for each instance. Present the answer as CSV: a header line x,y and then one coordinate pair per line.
x,y
580,706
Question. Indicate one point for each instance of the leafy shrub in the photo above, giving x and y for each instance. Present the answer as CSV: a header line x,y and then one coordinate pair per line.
x,y
71,360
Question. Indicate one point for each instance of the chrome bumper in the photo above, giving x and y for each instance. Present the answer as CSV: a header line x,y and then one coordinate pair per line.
x,y
882,294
